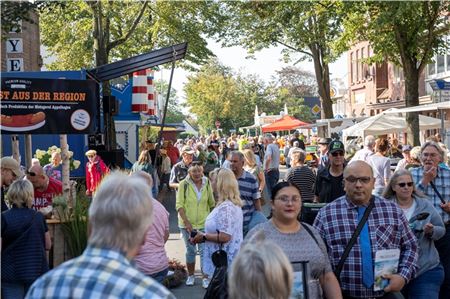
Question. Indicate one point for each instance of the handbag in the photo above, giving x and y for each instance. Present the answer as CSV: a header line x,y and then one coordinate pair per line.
x,y
218,285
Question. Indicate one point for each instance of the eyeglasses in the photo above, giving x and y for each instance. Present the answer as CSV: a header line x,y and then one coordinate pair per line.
x,y
286,199
362,180
30,173
429,155
402,185
335,154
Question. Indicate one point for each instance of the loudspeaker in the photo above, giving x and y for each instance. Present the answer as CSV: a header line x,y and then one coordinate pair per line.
x,y
110,105
113,159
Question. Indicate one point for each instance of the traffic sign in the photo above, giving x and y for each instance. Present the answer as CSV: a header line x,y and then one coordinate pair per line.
x,y
316,109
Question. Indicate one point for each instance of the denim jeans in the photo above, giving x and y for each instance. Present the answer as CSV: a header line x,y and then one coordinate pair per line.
x,y
272,176
443,247
425,286
192,249
159,276
12,290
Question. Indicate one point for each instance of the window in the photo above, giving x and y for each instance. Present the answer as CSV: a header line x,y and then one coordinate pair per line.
x,y
448,62
352,79
363,73
357,65
432,68
440,64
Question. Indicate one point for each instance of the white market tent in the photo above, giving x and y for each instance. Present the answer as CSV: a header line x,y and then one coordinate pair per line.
x,y
387,123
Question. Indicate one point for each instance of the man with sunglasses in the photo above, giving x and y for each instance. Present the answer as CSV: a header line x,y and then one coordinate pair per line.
x,y
386,228
180,170
45,188
434,181
329,183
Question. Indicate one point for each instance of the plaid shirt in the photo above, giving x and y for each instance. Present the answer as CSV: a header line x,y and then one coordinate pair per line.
x,y
442,183
97,273
388,229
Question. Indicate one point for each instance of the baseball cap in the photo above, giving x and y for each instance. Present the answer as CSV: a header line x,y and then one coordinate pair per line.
x,y
324,140
336,146
187,149
13,165
406,148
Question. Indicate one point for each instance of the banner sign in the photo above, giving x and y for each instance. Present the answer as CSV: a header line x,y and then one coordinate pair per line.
x,y
48,106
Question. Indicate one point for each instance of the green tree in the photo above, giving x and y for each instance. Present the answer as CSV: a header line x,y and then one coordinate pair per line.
x,y
407,33
174,113
308,28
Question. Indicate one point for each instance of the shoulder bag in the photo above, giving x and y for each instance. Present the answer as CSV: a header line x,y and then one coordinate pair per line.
x,y
352,241
218,285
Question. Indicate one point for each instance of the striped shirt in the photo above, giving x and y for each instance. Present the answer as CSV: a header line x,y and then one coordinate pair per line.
x,y
249,191
442,183
97,273
304,179
388,229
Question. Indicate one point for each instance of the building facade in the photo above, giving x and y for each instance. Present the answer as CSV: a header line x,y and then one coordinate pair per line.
x,y
20,51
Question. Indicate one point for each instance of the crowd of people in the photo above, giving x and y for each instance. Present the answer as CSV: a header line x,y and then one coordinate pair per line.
x,y
222,186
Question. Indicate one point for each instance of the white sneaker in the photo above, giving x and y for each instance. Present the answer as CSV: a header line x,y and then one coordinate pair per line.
x,y
205,283
190,280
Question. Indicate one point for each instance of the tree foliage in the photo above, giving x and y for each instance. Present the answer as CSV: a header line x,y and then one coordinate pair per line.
x,y
308,28
407,33
174,112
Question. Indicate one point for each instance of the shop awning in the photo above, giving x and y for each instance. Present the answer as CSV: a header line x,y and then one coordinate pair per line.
x,y
287,123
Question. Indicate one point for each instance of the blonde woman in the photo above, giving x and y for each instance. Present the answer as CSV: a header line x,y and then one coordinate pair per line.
x,y
260,270
224,224
251,166
25,239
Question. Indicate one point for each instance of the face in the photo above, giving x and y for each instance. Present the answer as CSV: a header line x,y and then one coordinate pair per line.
x,y
403,187
430,157
336,158
407,155
323,148
236,164
91,158
38,180
287,204
196,174
8,177
56,159
358,182
187,158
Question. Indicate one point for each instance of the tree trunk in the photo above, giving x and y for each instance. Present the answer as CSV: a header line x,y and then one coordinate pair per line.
x,y
28,151
322,73
412,99
65,168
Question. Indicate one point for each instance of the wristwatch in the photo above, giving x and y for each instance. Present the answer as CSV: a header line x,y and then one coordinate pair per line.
x,y
204,238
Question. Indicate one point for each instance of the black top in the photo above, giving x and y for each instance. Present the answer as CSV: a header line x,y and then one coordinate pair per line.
x,y
328,187
4,206
301,144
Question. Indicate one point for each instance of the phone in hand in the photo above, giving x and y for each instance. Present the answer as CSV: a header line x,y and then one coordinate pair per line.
x,y
194,232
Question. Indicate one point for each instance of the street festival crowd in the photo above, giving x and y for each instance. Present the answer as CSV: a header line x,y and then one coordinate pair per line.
x,y
343,223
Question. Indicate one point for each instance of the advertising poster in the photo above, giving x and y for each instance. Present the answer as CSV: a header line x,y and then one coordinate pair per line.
x,y
48,106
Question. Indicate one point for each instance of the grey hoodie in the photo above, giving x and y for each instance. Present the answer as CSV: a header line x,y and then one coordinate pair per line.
x,y
428,254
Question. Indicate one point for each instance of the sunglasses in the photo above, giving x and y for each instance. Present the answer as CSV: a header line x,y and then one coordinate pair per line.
x,y
402,185
30,173
335,154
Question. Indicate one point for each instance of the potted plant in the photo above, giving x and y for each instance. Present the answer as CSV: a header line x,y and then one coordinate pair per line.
x,y
60,208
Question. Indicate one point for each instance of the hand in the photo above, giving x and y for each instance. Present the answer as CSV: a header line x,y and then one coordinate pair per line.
x,y
396,283
446,207
88,193
428,229
198,238
188,226
429,175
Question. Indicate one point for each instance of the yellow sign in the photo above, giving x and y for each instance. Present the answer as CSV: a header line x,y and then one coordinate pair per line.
x,y
316,109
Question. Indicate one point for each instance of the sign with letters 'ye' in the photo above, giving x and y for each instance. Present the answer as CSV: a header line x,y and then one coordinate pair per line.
x,y
48,106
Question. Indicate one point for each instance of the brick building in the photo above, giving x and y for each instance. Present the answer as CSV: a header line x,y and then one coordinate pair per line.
x,y
20,51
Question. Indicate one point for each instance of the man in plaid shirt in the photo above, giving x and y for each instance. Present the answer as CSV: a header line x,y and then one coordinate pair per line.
x,y
429,174
387,229
119,217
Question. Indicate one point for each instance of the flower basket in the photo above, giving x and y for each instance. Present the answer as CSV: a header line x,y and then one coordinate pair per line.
x,y
179,274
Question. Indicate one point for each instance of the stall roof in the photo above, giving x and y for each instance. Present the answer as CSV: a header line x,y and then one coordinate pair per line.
x,y
284,124
426,107
140,62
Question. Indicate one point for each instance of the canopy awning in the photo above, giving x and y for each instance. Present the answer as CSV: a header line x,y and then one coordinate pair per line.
x,y
426,107
287,123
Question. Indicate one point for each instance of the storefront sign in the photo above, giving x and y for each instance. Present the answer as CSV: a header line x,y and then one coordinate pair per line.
x,y
48,106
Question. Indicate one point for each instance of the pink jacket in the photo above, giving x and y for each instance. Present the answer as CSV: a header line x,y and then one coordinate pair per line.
x,y
94,174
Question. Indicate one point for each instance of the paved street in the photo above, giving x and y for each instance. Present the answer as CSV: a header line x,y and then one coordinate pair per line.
x,y
175,245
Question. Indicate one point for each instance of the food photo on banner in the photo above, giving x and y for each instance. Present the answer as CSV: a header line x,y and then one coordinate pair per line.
x,y
48,106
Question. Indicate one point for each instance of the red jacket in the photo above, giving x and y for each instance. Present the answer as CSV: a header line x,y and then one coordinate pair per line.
x,y
173,154
95,171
